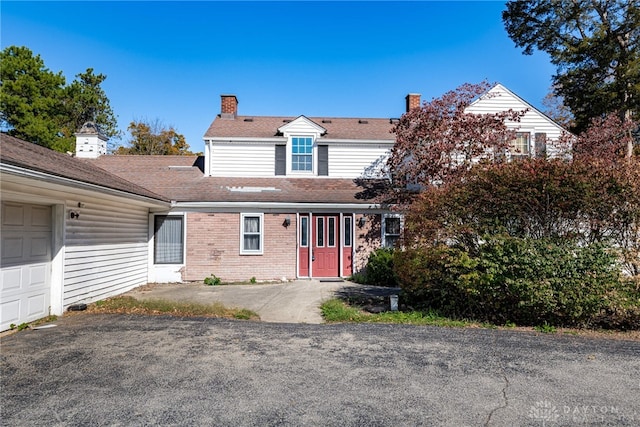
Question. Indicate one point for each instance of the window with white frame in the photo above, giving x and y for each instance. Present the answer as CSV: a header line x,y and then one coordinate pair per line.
x,y
304,231
251,234
391,225
347,230
302,154
520,145
168,239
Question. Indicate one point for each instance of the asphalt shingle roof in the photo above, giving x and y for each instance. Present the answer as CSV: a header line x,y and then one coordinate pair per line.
x,y
16,152
267,127
180,178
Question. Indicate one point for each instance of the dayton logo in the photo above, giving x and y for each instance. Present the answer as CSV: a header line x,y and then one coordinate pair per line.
x,y
544,411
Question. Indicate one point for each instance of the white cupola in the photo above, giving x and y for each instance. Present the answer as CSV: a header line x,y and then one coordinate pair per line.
x,y
91,143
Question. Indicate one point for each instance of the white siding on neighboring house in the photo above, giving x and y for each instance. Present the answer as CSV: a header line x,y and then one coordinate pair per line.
x,y
106,251
501,99
352,160
242,159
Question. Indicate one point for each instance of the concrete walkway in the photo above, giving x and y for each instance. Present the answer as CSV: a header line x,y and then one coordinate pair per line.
x,y
292,302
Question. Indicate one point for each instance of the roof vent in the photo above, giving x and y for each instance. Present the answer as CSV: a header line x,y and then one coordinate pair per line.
x,y
286,121
248,119
363,122
326,120
394,120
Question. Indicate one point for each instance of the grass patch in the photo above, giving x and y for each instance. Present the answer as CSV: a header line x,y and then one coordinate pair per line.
x,y
130,305
336,310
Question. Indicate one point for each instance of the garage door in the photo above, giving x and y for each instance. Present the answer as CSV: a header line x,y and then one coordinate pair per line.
x,y
25,263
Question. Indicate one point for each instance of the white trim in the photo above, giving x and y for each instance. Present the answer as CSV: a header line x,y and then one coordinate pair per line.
x,y
318,218
244,251
57,259
334,231
314,156
166,273
300,218
68,182
383,227
265,206
236,139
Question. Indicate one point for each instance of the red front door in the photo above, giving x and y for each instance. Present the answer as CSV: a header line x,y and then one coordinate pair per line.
x,y
325,256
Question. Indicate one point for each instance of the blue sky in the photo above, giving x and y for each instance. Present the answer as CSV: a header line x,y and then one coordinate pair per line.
x,y
171,61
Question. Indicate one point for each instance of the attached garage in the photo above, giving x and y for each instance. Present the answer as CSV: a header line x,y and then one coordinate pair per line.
x,y
71,232
25,268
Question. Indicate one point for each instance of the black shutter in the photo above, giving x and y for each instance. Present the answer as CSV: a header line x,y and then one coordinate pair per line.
x,y
323,160
541,145
281,159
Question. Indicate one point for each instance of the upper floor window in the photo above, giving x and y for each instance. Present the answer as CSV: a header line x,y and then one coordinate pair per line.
x,y
520,145
302,154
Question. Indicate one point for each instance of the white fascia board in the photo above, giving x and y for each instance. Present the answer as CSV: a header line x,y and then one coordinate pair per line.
x,y
278,206
389,142
235,140
53,180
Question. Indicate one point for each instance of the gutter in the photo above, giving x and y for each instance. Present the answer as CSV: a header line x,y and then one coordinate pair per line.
x,y
68,182
280,206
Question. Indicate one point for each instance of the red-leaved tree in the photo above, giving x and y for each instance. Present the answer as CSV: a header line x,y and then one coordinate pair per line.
x,y
609,139
440,140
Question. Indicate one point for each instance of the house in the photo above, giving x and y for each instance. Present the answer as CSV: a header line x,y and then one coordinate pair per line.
x,y
272,198
275,198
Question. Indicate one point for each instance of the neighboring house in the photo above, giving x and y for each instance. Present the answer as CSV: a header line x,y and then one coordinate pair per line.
x,y
537,134
273,198
71,232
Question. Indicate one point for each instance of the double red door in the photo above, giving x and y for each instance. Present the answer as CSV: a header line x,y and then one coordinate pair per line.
x,y
325,255
321,238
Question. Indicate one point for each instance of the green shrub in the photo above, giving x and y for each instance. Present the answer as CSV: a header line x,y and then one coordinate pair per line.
x,y
379,270
212,280
523,280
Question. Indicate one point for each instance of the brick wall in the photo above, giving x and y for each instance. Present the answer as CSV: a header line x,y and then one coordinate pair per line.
x,y
213,247
368,239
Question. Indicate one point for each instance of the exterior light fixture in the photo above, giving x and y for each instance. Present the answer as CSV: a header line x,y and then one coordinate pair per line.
x,y
362,221
287,222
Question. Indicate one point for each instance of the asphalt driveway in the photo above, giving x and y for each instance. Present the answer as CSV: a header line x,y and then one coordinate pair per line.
x,y
117,370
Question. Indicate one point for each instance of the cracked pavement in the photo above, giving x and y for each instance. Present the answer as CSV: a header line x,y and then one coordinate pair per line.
x,y
142,370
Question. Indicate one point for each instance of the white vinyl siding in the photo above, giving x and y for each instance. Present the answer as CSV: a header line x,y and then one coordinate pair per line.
x,y
345,160
532,122
243,160
106,251
352,160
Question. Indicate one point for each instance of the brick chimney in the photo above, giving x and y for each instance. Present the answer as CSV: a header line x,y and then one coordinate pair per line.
x,y
228,107
413,101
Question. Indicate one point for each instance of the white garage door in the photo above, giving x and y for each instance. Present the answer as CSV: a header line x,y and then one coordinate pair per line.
x,y
25,258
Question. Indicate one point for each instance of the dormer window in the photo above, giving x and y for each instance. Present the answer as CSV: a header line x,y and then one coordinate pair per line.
x,y
302,154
